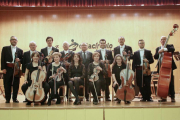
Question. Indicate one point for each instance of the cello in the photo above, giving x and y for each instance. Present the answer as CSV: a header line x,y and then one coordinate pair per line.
x,y
125,91
165,69
35,93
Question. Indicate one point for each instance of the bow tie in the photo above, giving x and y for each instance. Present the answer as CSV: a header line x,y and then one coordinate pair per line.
x,y
141,50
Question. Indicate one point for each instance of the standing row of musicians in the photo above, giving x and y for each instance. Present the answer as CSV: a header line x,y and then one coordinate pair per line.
x,y
74,69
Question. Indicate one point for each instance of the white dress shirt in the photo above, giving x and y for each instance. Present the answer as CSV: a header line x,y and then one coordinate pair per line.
x,y
165,49
103,53
141,56
66,51
49,49
122,49
13,50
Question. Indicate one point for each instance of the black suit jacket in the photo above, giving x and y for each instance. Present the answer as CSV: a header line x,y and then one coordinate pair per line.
x,y
6,56
70,52
26,60
109,56
127,48
88,58
45,51
137,59
171,49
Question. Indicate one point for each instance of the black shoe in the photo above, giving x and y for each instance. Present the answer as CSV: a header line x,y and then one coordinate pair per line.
x,y
149,100
49,101
87,99
108,99
95,102
28,103
127,102
162,100
118,101
142,100
7,101
77,102
173,100
58,100
15,101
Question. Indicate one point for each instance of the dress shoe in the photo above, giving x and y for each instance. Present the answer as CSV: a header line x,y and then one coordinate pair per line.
x,y
87,99
142,100
108,99
7,101
118,101
28,103
173,100
95,102
58,100
127,102
77,102
162,100
149,100
15,101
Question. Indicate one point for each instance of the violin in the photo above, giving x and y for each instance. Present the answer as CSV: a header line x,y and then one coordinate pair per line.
x,y
35,93
17,66
67,56
126,92
108,68
177,55
165,69
146,68
49,58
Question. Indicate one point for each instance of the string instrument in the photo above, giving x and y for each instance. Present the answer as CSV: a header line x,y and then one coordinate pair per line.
x,y
165,69
125,91
35,93
108,68
177,55
146,68
49,58
17,66
56,78
95,77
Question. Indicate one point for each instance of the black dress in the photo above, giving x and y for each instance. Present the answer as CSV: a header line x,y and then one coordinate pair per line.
x,y
116,70
51,81
25,86
99,84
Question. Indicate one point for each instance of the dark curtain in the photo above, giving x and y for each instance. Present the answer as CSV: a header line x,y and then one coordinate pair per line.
x,y
87,3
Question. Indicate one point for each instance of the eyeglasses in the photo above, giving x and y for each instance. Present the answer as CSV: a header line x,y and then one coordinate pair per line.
x,y
13,39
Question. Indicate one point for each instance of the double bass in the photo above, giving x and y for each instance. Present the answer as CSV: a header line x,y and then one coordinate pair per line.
x,y
35,93
125,91
165,69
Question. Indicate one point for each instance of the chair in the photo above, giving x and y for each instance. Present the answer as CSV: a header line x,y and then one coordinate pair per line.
x,y
154,81
64,87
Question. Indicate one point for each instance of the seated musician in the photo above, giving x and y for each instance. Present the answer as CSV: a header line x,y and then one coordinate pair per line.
x,y
32,66
96,68
117,66
76,74
53,69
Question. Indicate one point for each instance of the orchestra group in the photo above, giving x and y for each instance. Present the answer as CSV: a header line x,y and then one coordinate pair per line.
x,y
46,71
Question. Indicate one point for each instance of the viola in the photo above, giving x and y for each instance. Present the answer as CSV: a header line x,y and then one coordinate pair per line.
x,y
49,58
17,66
35,93
146,68
108,68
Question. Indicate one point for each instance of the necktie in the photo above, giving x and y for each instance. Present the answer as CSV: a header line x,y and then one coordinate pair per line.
x,y
84,60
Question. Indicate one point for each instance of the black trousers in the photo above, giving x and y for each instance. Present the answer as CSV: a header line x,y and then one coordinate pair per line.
x,y
76,84
45,86
145,86
98,85
7,80
58,84
107,84
116,86
171,86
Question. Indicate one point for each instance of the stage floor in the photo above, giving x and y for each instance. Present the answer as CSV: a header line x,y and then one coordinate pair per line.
x,y
88,105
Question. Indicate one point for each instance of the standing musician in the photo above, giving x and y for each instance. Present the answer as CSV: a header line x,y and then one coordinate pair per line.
x,y
66,62
76,76
32,66
55,70
8,58
161,50
103,53
117,66
122,48
27,57
96,69
46,51
87,59
140,57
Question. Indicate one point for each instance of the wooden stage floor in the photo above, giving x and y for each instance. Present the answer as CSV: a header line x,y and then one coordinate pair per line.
x,y
88,105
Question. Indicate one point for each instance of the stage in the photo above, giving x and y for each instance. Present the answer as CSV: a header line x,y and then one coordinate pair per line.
x,y
88,111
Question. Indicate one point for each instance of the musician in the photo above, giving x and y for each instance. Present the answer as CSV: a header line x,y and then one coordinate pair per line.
x,y
93,68
66,62
53,69
143,81
104,52
76,76
117,66
86,59
122,48
7,66
32,66
161,50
